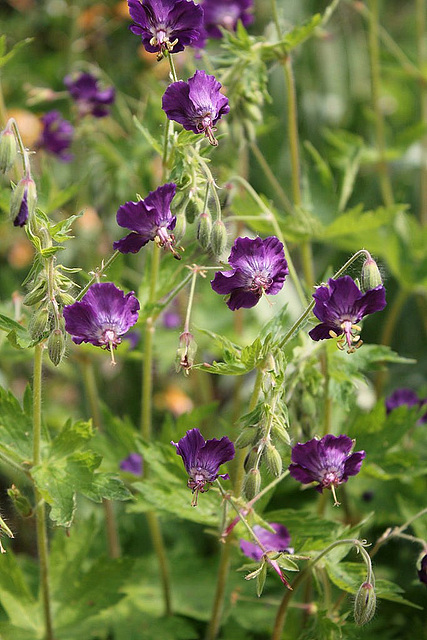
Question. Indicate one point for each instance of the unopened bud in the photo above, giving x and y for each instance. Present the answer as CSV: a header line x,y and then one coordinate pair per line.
x,y
23,201
218,238
8,149
20,502
180,227
371,276
204,228
246,438
65,298
56,346
278,431
364,604
252,484
38,323
273,459
35,296
251,459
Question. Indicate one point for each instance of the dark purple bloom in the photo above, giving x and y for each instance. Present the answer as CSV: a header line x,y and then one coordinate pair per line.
x,y
89,97
340,306
278,541
149,219
23,200
197,104
57,135
166,25
328,461
422,571
202,459
226,14
22,215
259,266
132,464
406,397
102,316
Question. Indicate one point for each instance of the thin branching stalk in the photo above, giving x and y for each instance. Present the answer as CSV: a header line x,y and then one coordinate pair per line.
x,y
269,174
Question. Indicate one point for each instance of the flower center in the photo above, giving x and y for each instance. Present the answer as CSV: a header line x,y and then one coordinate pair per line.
x,y
204,125
161,39
196,482
260,282
351,336
330,477
166,240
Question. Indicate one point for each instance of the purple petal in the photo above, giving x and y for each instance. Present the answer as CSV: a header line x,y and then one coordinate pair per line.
x,y
131,243
177,105
159,201
373,300
321,332
188,447
132,464
225,282
301,474
214,453
278,541
241,298
352,464
401,397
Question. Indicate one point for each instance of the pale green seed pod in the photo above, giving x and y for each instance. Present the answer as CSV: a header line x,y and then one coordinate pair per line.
x,y
273,459
365,604
65,298
246,438
8,150
252,484
56,346
251,459
204,229
38,323
371,276
279,432
35,296
218,238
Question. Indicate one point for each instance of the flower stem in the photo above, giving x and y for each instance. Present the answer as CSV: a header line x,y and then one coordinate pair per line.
x,y
396,532
92,396
190,300
99,271
422,59
42,542
281,195
374,57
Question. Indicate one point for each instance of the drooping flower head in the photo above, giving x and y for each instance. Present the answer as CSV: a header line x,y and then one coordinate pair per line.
x,y
132,464
328,461
340,306
23,200
226,14
102,316
278,541
197,104
405,397
202,459
57,135
422,571
166,25
149,219
90,99
259,266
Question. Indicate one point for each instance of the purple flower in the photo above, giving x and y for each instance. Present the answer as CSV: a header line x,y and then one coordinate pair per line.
x,y
226,14
406,397
57,135
102,316
278,541
422,571
89,98
23,200
340,306
197,104
149,219
132,464
202,459
166,25
259,266
327,461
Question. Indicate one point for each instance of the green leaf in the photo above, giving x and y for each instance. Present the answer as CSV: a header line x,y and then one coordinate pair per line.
x,y
23,611
7,57
147,135
17,335
15,429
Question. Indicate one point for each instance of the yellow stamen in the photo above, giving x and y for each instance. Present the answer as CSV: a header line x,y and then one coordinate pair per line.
x,y
336,503
113,362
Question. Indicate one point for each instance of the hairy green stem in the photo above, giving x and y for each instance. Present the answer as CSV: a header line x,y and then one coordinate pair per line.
x,y
42,541
374,58
396,531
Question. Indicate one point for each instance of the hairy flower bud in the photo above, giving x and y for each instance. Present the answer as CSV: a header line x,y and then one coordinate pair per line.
x,y
38,323
65,298
20,502
247,437
8,149
364,604
273,459
204,229
371,276
252,483
218,238
23,201
35,296
56,346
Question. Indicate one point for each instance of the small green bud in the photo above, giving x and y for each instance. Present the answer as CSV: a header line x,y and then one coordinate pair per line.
x,y
371,276
65,298
252,483
251,459
20,502
36,295
273,459
278,431
364,604
38,323
247,437
204,228
180,227
8,150
218,238
56,346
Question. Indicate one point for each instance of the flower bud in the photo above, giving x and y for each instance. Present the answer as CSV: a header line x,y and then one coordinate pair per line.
x,y
252,484
20,502
186,352
204,228
35,295
23,201
8,150
273,459
56,346
278,431
364,604
38,323
180,227
247,437
371,276
218,238
251,459
65,298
